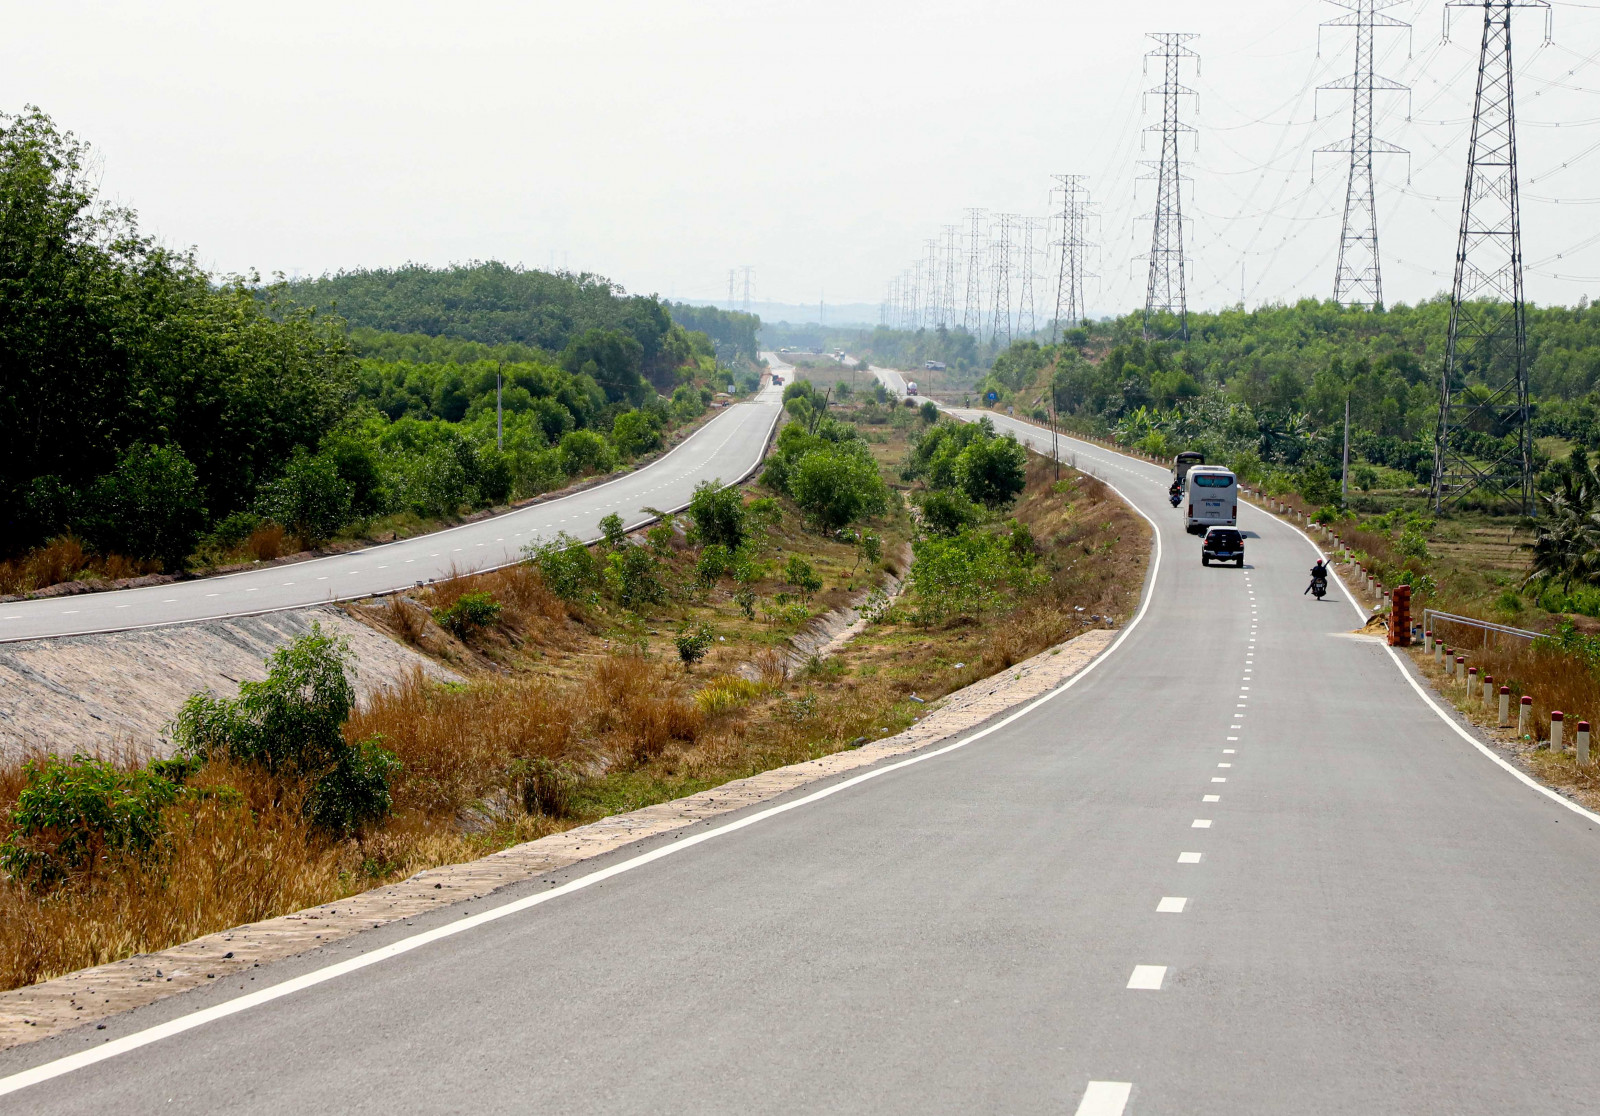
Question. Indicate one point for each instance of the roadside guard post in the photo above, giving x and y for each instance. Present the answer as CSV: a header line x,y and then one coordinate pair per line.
x,y
1400,617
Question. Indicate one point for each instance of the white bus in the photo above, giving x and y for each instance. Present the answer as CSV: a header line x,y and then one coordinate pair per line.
x,y
1213,499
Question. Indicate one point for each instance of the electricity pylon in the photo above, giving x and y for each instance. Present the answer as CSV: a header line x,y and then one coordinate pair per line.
x,y
952,250
1358,280
1166,296
747,270
972,315
933,284
1483,441
1027,312
1069,283
1000,265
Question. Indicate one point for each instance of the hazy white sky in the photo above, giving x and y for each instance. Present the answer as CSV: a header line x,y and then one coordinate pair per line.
x,y
820,142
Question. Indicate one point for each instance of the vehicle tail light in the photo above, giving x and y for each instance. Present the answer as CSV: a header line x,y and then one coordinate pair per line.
x,y
1236,511
1191,511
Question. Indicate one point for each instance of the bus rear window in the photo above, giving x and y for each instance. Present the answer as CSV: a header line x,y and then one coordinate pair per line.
x,y
1211,480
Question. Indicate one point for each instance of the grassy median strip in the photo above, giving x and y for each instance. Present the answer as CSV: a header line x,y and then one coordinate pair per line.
x,y
600,680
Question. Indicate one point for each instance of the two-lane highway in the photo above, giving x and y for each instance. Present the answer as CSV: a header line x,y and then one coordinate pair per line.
x,y
1237,866
728,448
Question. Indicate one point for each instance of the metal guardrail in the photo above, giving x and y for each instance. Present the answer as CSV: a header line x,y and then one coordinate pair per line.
x,y
1467,621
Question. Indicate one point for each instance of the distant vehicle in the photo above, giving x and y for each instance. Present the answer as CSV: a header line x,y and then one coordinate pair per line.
x,y
778,380
911,387
933,365
786,349
1222,544
1213,499
1181,465
817,351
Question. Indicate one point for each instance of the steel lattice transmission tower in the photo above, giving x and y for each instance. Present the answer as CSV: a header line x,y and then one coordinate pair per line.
x,y
1358,280
1165,296
1484,388
952,252
933,273
1069,282
747,271
1027,311
972,315
1000,265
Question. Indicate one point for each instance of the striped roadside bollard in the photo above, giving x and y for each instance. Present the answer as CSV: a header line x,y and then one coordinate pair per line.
x,y
1582,742
1556,724
1438,650
1505,706
1488,687
1427,642
1524,711
1461,668
1472,682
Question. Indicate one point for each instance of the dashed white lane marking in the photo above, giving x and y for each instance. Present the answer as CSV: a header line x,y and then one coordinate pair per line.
x,y
1230,751
1147,978
1224,765
1171,904
1201,823
1218,779
1210,798
1231,738
1188,858
1105,1098
125,606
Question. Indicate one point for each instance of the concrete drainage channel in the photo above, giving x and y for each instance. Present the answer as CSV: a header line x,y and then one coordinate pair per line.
x,y
90,995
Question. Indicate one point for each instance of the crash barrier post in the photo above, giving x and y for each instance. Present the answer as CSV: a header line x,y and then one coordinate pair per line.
x,y
1556,719
1524,711
1582,742
1438,649
1505,706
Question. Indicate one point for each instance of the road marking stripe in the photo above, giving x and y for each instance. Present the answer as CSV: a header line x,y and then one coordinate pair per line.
x,y
1105,1098
1210,798
1224,765
1171,904
1203,823
1218,779
1188,858
1147,978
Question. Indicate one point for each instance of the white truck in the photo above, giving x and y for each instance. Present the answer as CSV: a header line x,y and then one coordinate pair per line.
x,y
911,387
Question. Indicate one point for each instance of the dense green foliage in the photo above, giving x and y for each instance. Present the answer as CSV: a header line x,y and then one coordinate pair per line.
x,y
73,816
291,724
109,343
156,413
829,473
970,460
733,332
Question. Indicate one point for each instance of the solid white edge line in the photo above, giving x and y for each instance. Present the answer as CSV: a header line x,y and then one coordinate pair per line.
x,y
61,1066
1427,698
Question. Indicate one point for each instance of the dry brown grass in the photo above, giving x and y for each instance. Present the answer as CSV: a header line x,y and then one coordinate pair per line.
x,y
65,559
265,543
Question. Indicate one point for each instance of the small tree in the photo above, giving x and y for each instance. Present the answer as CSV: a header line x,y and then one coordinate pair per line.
x,y
310,498
992,471
632,574
471,613
612,532
718,514
567,567
634,432
837,486
693,641
149,506
798,572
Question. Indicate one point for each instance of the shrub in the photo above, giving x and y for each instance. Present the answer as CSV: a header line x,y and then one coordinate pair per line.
x,y
714,562
612,532
718,514
929,411
837,486
693,641
745,598
310,498
235,529
948,512
992,471
798,572
632,574
727,692
585,451
471,612
148,507
73,816
971,573
356,791
568,569
547,786
291,724
634,432
436,482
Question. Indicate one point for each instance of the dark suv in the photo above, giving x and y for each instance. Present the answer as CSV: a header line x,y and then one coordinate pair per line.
x,y
1222,544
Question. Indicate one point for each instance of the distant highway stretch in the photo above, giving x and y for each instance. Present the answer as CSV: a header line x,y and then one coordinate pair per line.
x,y
728,448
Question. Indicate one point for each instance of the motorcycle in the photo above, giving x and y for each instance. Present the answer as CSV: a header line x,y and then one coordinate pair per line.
x,y
1319,587
1176,497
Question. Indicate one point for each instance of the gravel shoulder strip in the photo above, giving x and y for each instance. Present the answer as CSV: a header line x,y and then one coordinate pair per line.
x,y
83,997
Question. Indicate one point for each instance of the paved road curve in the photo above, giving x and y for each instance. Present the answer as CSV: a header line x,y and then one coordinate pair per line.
x,y
728,447
1237,867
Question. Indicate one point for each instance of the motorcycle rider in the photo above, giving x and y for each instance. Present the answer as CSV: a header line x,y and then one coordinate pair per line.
x,y
1319,572
1175,492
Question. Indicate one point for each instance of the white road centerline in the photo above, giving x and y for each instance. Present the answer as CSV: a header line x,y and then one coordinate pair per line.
x,y
1171,904
1147,978
1188,858
1105,1098
1201,823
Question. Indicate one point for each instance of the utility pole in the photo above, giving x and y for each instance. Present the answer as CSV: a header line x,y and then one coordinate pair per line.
x,y
1166,294
499,415
1486,348
1069,281
972,317
1344,473
1358,280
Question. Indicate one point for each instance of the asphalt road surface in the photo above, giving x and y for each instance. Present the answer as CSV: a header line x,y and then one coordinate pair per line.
x,y
728,447
1237,866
